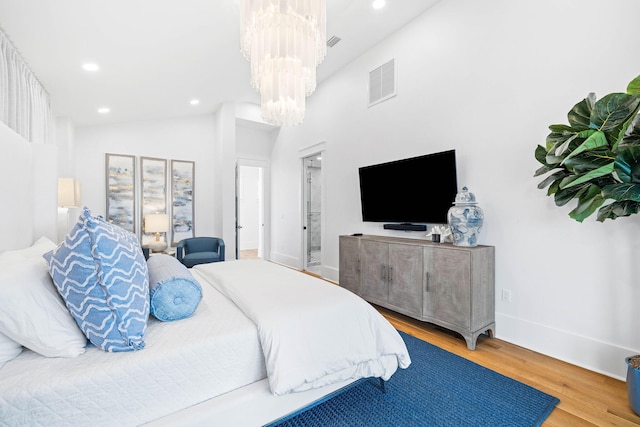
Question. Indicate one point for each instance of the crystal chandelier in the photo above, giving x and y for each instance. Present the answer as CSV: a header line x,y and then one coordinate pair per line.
x,y
284,40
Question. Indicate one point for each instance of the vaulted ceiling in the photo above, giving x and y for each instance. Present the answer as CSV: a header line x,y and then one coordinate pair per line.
x,y
157,55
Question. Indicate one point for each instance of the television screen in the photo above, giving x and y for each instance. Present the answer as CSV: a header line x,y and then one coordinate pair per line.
x,y
415,190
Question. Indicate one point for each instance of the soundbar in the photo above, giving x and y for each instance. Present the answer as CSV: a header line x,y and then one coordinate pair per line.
x,y
405,227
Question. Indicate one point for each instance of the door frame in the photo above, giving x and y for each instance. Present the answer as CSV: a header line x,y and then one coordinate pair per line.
x,y
265,230
318,149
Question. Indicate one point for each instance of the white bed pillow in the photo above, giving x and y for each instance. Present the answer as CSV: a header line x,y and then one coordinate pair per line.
x,y
37,249
9,349
32,313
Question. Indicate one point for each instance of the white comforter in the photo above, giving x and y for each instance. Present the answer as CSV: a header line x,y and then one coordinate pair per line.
x,y
312,332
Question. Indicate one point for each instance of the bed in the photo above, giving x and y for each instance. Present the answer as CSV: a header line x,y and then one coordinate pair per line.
x,y
235,361
216,352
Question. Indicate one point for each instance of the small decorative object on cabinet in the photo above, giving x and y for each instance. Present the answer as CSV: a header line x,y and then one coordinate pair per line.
x,y
633,382
446,285
465,219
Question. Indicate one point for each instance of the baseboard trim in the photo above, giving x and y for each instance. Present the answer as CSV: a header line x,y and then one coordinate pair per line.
x,y
330,273
286,260
586,352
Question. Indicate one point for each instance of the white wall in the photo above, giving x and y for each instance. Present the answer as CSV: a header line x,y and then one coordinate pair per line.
x,y
255,142
487,78
190,138
28,180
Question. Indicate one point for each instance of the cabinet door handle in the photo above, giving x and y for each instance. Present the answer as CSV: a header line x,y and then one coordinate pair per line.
x,y
358,266
390,274
382,275
426,284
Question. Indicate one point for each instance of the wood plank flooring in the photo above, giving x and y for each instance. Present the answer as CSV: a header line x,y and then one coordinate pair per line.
x,y
249,254
586,398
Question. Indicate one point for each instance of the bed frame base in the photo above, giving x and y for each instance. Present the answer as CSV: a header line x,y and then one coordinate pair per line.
x,y
252,405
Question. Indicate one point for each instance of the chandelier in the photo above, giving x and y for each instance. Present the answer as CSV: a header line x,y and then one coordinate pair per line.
x,y
284,40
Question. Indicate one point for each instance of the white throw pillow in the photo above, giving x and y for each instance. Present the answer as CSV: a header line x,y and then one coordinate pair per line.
x,y
32,313
8,349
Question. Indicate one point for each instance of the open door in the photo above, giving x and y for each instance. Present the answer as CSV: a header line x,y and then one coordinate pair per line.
x,y
249,212
313,213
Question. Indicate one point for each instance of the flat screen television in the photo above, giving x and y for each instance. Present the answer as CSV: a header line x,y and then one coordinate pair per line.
x,y
415,190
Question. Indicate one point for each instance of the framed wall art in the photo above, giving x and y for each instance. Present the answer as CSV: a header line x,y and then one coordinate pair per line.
x,y
153,177
120,179
182,197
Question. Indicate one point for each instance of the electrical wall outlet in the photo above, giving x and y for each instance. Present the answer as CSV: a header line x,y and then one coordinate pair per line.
x,y
506,295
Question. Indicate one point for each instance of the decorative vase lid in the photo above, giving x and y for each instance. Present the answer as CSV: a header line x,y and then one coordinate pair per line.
x,y
465,198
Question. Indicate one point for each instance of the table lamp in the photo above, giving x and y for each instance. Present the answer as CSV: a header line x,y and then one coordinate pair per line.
x,y
156,224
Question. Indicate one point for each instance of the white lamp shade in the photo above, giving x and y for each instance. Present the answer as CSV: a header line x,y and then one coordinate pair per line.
x,y
68,193
156,223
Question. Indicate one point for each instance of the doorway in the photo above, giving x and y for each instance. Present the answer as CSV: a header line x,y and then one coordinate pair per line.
x,y
312,185
249,212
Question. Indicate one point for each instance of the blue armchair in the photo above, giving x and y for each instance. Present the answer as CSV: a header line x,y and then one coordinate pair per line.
x,y
200,250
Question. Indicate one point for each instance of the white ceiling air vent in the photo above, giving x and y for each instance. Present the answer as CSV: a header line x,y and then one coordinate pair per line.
x,y
382,83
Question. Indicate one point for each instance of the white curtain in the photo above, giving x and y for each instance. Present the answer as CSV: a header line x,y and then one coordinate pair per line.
x,y
24,103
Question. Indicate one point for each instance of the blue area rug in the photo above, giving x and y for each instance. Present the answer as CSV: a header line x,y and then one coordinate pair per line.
x,y
438,389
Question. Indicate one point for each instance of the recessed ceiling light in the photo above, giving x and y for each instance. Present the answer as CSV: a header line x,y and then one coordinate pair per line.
x,y
194,102
378,4
104,110
90,66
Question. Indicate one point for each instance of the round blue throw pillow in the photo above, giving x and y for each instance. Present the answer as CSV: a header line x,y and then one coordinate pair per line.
x,y
174,293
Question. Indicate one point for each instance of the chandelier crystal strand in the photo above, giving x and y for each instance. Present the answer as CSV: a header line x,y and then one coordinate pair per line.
x,y
284,41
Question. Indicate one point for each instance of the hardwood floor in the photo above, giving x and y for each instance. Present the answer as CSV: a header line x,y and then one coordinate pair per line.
x,y
586,398
249,254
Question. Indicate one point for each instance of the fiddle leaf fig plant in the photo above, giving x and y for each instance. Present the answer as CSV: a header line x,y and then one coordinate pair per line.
x,y
595,159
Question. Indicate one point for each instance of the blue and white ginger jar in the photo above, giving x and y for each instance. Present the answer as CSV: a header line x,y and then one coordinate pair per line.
x,y
465,219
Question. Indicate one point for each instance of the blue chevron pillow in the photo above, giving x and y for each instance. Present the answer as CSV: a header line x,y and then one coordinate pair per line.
x,y
102,276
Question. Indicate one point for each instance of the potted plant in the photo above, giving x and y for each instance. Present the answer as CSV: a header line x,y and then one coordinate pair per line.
x,y
633,382
595,159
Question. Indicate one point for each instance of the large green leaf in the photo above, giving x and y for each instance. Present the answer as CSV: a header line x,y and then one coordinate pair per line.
x,y
571,181
618,209
561,149
588,160
560,134
596,139
564,129
554,187
580,115
543,169
552,159
627,191
634,86
627,164
548,180
628,134
588,202
555,140
565,195
541,154
613,110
